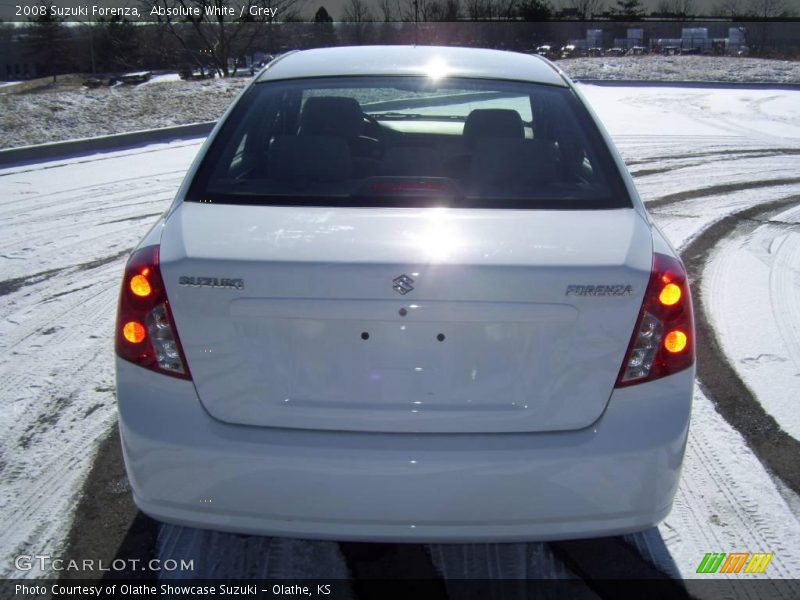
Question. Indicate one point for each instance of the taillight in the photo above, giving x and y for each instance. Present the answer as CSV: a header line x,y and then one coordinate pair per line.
x,y
146,333
663,340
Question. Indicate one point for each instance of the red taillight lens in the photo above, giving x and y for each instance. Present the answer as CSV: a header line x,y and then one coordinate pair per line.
x,y
146,333
663,340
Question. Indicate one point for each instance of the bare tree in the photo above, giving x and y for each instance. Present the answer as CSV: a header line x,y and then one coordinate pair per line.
x,y
729,8
437,10
767,9
48,42
535,10
357,11
502,9
586,8
628,9
389,10
477,9
425,10
675,8
226,29
452,10
358,14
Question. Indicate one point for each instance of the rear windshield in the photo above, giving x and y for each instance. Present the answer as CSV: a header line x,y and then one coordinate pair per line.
x,y
409,141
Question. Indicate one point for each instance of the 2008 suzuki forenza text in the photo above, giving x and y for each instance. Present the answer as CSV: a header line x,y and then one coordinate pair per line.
x,y
406,293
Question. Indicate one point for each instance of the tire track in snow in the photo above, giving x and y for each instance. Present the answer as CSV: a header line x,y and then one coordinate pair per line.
x,y
713,510
687,525
108,283
9,286
716,510
733,399
735,154
102,192
715,190
46,484
784,275
504,562
687,161
763,346
56,368
742,507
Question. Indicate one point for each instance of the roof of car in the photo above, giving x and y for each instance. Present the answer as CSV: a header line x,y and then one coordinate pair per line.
x,y
413,60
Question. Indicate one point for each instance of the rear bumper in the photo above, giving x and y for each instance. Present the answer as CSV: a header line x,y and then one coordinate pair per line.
x,y
617,476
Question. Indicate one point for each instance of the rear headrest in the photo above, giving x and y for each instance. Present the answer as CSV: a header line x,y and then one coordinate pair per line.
x,y
493,123
312,158
331,115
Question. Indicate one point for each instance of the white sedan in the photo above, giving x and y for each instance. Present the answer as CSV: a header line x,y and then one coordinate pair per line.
x,y
410,294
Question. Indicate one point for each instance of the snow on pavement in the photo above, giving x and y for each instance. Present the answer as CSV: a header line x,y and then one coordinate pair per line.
x,y
675,111
726,500
759,268
67,224
66,228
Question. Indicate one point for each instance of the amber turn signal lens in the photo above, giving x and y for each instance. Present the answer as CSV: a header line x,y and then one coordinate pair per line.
x,y
133,332
140,286
670,295
675,341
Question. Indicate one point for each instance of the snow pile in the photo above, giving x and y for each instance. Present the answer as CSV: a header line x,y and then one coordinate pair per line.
x,y
683,68
166,78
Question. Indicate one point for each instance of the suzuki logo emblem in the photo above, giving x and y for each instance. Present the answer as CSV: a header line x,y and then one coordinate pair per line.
x,y
402,285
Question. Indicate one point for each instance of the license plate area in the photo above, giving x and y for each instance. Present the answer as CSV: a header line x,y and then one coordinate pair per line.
x,y
423,357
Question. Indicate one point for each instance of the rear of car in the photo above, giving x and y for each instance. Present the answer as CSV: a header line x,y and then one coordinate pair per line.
x,y
415,302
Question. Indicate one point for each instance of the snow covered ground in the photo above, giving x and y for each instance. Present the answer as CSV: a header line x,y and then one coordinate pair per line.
x,y
71,111
65,113
703,145
697,155
683,68
760,267
164,78
66,227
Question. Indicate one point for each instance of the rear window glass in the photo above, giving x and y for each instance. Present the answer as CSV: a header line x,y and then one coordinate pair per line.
x,y
408,141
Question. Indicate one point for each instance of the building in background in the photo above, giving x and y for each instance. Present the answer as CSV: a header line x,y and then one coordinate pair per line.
x,y
16,62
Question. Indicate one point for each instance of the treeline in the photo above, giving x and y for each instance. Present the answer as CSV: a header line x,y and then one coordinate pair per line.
x,y
540,10
117,45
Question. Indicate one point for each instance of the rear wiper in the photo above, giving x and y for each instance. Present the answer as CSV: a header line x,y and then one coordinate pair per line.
x,y
402,116
395,115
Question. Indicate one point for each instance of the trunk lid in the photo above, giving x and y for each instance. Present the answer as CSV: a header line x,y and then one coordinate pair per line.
x,y
405,320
